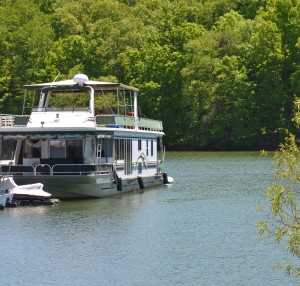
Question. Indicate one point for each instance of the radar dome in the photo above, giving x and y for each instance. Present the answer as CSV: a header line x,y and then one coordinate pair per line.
x,y
80,78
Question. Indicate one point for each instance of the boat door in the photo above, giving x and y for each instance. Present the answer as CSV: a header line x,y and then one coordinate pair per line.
x,y
123,154
128,157
104,151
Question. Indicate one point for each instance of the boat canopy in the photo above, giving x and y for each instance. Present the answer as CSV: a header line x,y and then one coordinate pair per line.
x,y
44,135
96,85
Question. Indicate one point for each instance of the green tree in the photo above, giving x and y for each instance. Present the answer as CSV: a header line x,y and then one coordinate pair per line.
x,y
155,70
282,223
26,37
67,54
215,9
216,82
46,6
204,63
285,15
230,103
249,8
265,64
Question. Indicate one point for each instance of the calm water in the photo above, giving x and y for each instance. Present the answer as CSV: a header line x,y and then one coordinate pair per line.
x,y
199,231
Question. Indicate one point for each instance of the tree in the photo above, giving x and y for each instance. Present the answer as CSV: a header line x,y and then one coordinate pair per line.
x,y
155,70
216,83
265,65
46,6
283,221
67,54
285,16
204,63
26,37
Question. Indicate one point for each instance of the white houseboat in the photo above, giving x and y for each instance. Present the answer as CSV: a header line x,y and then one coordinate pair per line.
x,y
83,139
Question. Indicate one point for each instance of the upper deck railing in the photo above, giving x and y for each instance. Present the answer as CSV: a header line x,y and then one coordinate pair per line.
x,y
59,109
9,120
128,122
109,121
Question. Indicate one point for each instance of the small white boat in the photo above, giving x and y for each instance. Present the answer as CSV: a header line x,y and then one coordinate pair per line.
x,y
6,195
23,192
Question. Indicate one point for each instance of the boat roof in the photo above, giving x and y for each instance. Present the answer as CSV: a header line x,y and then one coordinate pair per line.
x,y
70,83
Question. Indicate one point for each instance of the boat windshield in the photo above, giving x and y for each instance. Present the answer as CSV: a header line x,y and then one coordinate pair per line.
x,y
69,100
105,101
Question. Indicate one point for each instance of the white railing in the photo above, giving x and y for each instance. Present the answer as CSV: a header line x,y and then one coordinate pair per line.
x,y
58,169
6,120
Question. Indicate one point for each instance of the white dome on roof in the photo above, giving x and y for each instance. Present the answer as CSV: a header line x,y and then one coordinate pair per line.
x,y
80,78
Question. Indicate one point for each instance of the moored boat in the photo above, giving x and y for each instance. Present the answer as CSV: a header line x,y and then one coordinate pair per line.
x,y
83,139
24,192
6,194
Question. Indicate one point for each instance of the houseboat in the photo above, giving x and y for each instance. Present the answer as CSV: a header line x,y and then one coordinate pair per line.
x,y
82,139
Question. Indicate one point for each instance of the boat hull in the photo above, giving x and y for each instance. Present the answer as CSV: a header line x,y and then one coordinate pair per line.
x,y
21,197
92,186
5,198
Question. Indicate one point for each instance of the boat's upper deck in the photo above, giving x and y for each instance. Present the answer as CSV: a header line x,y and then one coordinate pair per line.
x,y
99,121
81,103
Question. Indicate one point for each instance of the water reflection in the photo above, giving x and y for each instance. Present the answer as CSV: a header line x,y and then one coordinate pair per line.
x,y
29,210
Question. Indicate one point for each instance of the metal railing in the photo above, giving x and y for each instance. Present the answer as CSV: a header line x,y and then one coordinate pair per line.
x,y
128,122
58,169
6,120
9,120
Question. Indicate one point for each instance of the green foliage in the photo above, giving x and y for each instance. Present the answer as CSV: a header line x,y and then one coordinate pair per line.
x,y
283,221
61,100
25,40
46,6
220,74
159,86
67,55
217,76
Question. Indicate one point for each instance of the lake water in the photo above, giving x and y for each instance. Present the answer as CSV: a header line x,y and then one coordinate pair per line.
x,y
199,231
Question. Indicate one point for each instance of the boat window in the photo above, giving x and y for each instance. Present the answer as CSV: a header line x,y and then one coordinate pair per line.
x,y
140,145
104,150
128,156
32,148
69,100
58,149
99,150
114,103
123,151
151,147
74,151
159,144
160,148
7,148
120,149
147,148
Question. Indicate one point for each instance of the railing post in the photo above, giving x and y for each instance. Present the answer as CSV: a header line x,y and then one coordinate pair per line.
x,y
136,116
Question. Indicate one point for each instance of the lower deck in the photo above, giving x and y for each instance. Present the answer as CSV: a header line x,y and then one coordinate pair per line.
x,y
83,165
